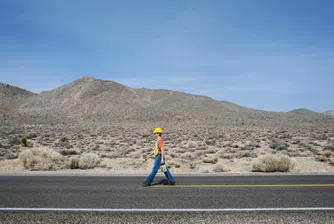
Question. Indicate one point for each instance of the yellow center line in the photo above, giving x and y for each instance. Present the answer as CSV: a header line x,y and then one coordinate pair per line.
x,y
242,185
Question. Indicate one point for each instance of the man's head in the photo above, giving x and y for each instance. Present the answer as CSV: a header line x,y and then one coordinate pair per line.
x,y
157,132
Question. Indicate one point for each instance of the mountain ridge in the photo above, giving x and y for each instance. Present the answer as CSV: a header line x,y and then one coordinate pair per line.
x,y
95,100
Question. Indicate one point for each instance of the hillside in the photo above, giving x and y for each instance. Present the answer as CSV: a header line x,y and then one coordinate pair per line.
x,y
92,100
11,98
329,112
98,100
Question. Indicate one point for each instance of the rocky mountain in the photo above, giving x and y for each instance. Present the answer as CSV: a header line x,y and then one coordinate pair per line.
x,y
11,97
99,101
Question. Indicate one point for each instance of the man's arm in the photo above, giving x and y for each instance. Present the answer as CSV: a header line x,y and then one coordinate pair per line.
x,y
149,156
162,155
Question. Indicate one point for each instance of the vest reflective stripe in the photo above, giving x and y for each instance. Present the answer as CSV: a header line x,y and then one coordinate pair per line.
x,y
156,149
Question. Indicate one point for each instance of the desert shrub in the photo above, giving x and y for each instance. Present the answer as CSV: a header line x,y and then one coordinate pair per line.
x,y
322,158
211,151
188,156
296,141
250,155
32,135
204,170
327,153
180,150
42,159
271,163
250,146
66,152
218,168
279,146
226,156
74,163
89,161
212,160
174,164
15,140
331,161
329,148
24,141
200,153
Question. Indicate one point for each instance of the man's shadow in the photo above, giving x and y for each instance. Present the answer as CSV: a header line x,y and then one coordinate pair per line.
x,y
161,182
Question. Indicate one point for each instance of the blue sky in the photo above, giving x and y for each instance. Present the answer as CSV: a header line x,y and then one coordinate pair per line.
x,y
272,55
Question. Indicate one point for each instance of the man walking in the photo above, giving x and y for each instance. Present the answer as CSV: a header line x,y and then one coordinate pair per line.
x,y
159,160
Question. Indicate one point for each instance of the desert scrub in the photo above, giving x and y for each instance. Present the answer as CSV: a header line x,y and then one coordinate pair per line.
x,y
42,159
322,159
271,163
327,153
66,152
89,161
219,168
174,164
212,160
73,163
24,141
188,156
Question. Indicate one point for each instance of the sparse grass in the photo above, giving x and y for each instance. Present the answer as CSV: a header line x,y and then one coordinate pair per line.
x,y
89,161
42,159
271,163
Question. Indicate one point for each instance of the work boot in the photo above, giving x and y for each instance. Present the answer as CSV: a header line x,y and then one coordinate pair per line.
x,y
171,183
146,184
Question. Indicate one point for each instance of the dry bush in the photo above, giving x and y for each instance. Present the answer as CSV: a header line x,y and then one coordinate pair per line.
x,y
174,164
74,163
211,151
89,161
204,170
219,168
322,159
66,152
271,163
188,156
327,153
329,147
226,156
212,160
42,159
200,153
180,150
331,161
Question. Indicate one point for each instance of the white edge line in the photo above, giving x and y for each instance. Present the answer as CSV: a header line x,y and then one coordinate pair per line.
x,y
166,210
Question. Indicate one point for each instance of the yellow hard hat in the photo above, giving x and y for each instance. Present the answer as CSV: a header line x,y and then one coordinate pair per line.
x,y
157,130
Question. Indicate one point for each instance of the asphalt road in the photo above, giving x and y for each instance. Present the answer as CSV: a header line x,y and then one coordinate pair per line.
x,y
206,192
127,192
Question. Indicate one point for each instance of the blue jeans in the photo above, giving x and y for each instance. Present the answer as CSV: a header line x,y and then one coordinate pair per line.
x,y
156,166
